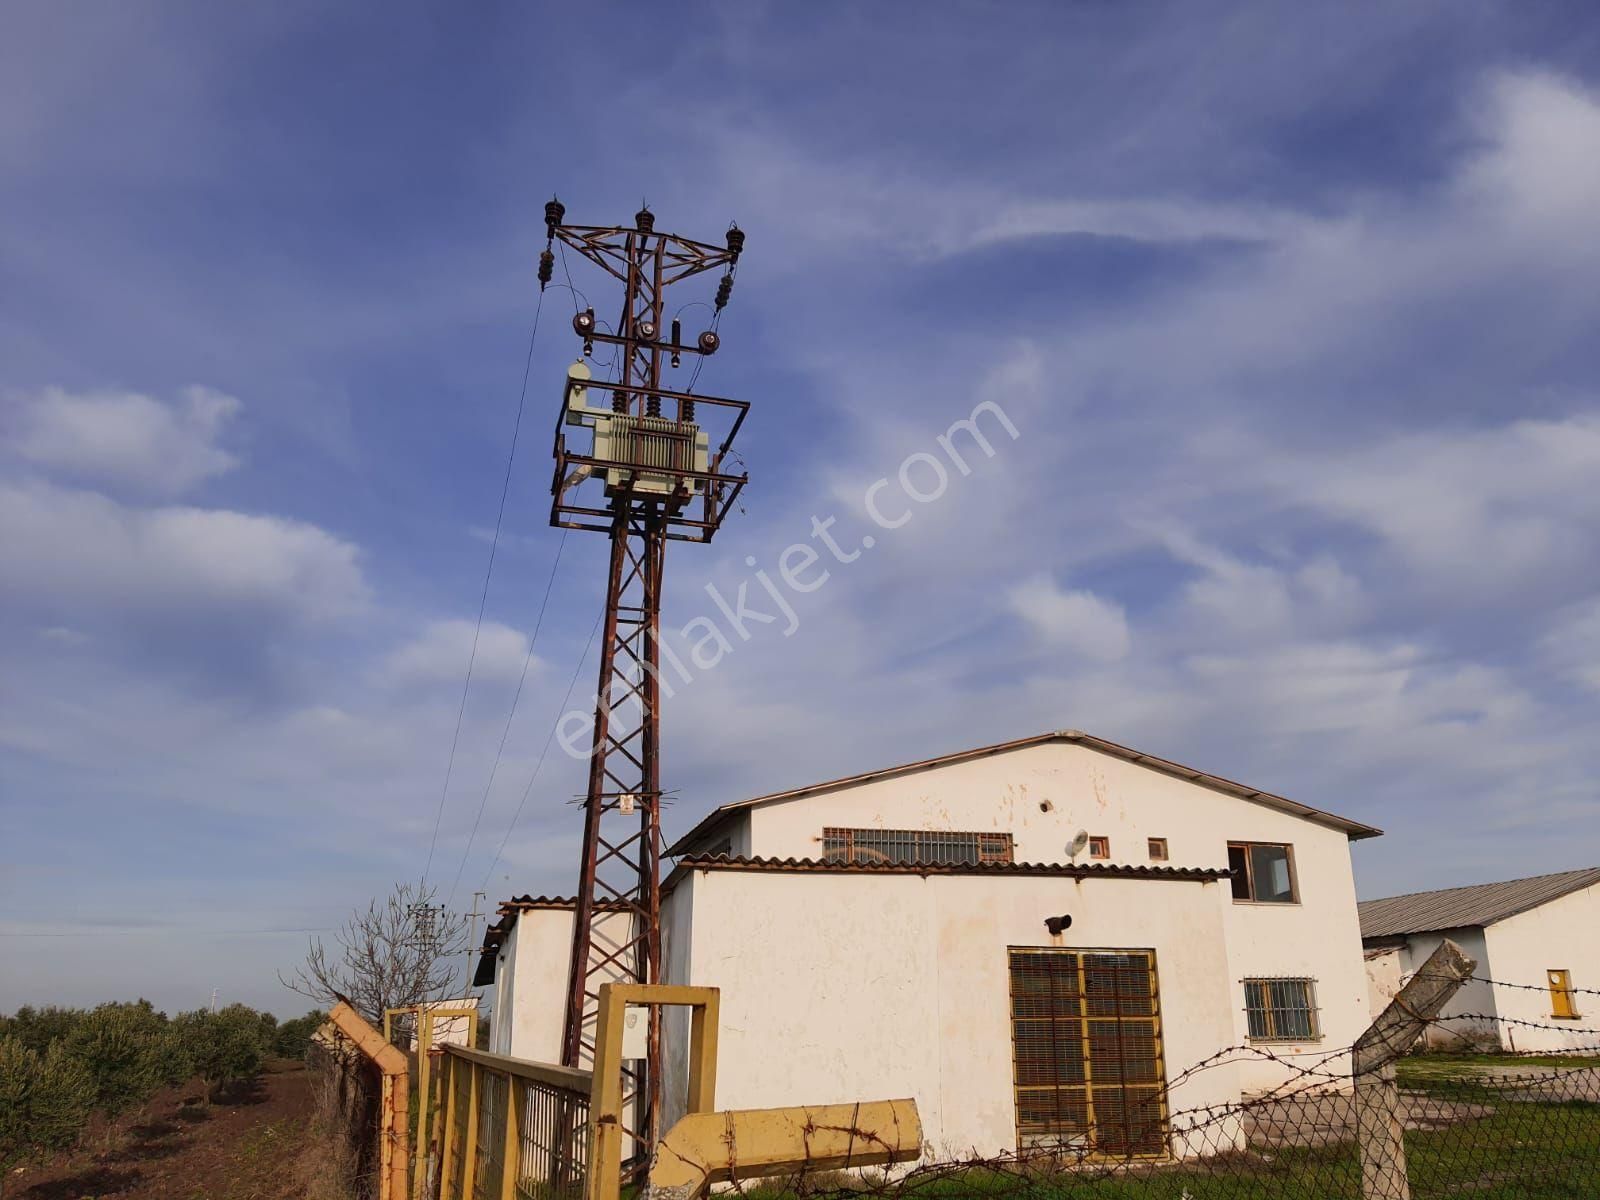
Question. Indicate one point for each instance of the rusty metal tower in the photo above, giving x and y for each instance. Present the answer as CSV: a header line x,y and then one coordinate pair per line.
x,y
650,476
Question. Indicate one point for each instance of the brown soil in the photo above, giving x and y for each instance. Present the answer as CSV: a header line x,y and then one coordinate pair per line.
x,y
248,1145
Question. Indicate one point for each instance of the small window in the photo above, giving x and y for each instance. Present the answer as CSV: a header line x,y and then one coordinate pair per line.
x,y
1263,872
1099,847
928,847
1563,1004
1281,1010
1158,849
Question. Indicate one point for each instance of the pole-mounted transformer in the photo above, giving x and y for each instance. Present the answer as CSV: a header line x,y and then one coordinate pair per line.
x,y
653,471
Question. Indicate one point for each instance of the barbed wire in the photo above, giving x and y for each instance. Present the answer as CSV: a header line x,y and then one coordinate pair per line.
x,y
1467,1134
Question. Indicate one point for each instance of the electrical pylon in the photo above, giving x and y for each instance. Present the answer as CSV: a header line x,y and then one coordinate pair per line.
x,y
648,478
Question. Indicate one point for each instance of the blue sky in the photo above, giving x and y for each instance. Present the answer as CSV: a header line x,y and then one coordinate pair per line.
x,y
1293,309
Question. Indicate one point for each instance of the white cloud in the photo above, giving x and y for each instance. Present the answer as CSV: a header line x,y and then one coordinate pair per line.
x,y
1540,166
125,438
1487,506
77,551
440,652
1571,647
1074,619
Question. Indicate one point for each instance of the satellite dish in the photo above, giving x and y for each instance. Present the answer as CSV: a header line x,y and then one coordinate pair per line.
x,y
1076,845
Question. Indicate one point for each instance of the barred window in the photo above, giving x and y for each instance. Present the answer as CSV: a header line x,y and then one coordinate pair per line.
x,y
1086,1052
1281,1010
932,847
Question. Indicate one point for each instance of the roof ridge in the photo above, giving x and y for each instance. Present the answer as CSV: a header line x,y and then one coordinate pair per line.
x,y
1466,887
1352,828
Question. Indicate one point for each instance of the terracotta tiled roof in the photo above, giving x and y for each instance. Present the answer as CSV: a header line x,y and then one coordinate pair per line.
x,y
1097,870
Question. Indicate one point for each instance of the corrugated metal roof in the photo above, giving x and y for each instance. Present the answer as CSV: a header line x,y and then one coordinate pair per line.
x,y
1354,829
1463,907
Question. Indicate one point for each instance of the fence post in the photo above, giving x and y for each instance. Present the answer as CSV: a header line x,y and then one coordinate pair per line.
x,y
1380,1132
445,1108
469,1169
511,1148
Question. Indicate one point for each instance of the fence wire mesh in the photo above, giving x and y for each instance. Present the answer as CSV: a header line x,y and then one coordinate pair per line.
x,y
1501,1126
1490,1127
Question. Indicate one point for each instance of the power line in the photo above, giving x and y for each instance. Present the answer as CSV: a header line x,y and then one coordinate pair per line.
x,y
483,600
175,930
539,765
510,717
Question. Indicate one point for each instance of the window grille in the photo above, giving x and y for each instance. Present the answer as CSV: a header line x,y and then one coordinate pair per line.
x,y
1086,1052
1263,872
931,847
1158,849
1281,1010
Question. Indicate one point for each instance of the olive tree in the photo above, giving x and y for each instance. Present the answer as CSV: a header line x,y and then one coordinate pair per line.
x,y
120,1047
45,1100
380,959
222,1047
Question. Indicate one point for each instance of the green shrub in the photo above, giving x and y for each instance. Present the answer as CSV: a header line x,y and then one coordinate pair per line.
x,y
222,1047
36,1028
120,1046
45,1099
293,1037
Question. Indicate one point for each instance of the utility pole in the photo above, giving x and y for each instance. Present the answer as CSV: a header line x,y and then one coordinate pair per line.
x,y
647,478
472,927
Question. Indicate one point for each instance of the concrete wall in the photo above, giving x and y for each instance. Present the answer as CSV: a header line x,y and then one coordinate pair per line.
x,y
845,987
528,1018
503,1010
1042,795
1385,977
1562,935
1468,1016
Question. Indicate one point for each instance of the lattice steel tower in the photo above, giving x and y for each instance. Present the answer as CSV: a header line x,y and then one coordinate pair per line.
x,y
650,476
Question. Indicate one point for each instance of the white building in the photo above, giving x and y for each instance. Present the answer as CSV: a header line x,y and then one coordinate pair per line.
x,y
886,935
1537,945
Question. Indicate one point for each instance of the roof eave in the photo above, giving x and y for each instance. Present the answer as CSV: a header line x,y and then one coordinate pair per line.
x,y
1354,830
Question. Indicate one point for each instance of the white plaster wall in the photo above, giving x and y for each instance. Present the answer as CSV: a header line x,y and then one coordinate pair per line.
x,y
1043,794
1469,1013
1563,934
534,959
677,944
505,996
1384,978
845,987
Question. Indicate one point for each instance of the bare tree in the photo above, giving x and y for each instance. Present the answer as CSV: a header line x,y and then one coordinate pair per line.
x,y
403,949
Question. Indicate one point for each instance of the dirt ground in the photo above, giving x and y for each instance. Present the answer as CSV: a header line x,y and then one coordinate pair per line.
x,y
250,1145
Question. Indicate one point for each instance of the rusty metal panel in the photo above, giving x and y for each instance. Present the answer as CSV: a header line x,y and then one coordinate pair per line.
x,y
1086,1052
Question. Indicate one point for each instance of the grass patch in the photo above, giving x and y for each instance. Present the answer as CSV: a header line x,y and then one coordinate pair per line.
x,y
1471,1066
1521,1151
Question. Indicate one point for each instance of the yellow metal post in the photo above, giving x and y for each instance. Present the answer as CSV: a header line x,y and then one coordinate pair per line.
x,y
445,1139
469,1169
605,1101
426,1125
707,1148
703,1024
394,1152
511,1147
